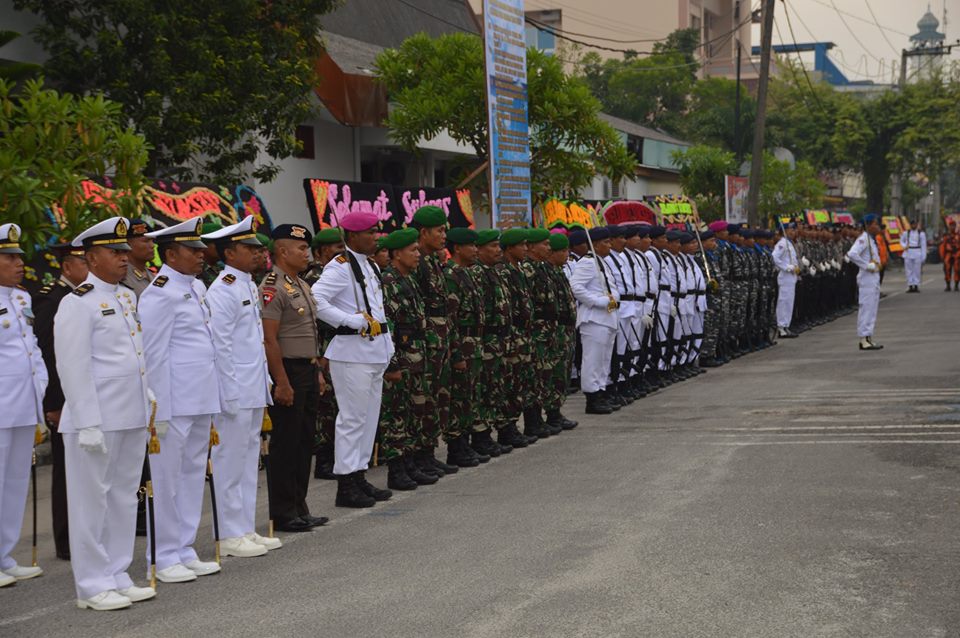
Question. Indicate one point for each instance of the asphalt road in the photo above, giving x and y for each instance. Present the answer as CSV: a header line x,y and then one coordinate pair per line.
x,y
806,490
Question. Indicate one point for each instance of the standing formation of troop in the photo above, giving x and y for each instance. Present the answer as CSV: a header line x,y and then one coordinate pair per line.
x,y
156,384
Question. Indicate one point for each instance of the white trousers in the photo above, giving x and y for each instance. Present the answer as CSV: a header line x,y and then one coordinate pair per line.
x,y
598,343
869,299
359,390
913,267
235,465
178,473
662,330
102,508
696,326
787,290
16,456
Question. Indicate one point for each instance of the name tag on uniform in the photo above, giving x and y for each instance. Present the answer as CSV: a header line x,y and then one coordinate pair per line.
x,y
187,296
246,302
108,312
295,295
3,311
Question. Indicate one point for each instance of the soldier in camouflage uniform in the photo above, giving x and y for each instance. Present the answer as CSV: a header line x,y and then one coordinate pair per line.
x,y
403,383
466,356
739,292
326,244
431,221
709,351
543,295
518,352
497,324
564,340
212,266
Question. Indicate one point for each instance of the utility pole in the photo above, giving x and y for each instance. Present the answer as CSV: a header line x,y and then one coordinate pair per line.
x,y
756,162
896,184
736,107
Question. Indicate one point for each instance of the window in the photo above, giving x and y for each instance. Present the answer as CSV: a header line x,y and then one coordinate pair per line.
x,y
304,135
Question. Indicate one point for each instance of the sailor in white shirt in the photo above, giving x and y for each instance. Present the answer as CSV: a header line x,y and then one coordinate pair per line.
x,y
672,335
102,369
578,248
23,380
697,296
242,364
182,370
865,255
788,270
627,343
914,243
349,297
598,319
647,286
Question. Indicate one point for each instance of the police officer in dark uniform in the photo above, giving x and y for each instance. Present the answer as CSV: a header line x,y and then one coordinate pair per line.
x,y
73,272
290,335
141,252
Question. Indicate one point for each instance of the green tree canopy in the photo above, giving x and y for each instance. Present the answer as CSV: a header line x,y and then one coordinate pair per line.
x,y
788,190
711,115
702,171
212,84
437,84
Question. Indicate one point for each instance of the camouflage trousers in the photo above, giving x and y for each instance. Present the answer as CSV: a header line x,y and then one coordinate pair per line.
x,y
556,389
463,390
401,410
436,385
711,327
543,354
491,393
326,412
738,305
516,377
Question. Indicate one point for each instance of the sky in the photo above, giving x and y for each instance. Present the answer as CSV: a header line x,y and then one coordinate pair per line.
x,y
863,51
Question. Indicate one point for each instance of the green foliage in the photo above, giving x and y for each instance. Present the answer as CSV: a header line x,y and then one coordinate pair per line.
x,y
928,123
786,190
437,84
711,115
212,84
50,143
702,171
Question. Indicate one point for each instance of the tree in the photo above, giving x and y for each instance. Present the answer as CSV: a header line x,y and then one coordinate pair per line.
x,y
702,171
711,114
49,144
212,84
787,190
437,84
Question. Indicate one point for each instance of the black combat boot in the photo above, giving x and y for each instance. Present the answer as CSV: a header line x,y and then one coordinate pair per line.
x,y
483,444
415,473
532,424
440,465
349,493
457,453
371,490
324,463
510,435
397,477
556,420
424,460
596,405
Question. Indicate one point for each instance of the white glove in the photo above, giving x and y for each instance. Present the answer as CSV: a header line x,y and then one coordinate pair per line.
x,y
872,267
162,427
846,259
151,397
229,407
673,311
356,322
836,265
91,440
647,321
805,262
813,270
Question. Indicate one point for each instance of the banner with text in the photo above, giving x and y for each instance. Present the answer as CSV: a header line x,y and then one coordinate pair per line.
x,y
394,206
735,194
505,57
677,211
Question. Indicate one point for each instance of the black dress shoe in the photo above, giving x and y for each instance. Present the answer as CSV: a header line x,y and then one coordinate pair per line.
x,y
64,555
293,525
315,521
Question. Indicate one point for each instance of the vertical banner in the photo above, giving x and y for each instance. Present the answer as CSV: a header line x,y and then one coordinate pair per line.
x,y
505,63
735,191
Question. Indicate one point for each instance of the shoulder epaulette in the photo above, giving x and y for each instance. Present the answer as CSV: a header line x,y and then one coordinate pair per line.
x,y
228,278
83,289
341,259
160,281
45,290
21,287
288,279
270,279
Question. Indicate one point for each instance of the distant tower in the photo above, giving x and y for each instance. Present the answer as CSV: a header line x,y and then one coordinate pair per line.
x,y
927,38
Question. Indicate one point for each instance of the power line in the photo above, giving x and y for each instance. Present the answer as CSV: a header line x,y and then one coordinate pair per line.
x,y
860,18
611,25
882,31
847,25
793,74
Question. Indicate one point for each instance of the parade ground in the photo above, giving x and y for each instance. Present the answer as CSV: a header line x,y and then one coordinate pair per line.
x,y
806,490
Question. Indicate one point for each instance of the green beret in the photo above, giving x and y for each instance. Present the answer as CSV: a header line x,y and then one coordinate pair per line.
x,y
327,236
487,235
209,227
559,241
462,236
265,240
513,236
537,235
400,238
429,217
576,226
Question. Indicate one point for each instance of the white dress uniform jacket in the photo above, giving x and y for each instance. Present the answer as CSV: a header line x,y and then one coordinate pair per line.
x,y
181,360
23,376
590,290
863,253
914,244
786,261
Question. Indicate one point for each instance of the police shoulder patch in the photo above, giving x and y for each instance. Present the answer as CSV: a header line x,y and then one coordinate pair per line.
x,y
83,289
268,293
160,281
229,279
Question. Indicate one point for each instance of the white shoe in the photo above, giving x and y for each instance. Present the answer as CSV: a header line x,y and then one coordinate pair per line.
x,y
175,574
105,601
201,568
269,543
6,579
23,573
241,547
137,594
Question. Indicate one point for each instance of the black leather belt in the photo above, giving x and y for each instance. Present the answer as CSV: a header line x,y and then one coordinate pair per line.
x,y
343,331
663,287
651,296
631,298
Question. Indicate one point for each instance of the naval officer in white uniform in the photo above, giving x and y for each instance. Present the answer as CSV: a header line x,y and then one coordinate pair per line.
x,y
238,337
350,298
102,370
914,243
865,255
788,269
182,371
23,380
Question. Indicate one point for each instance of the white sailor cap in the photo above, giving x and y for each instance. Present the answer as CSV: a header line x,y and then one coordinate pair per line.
x,y
110,233
186,234
10,239
242,233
